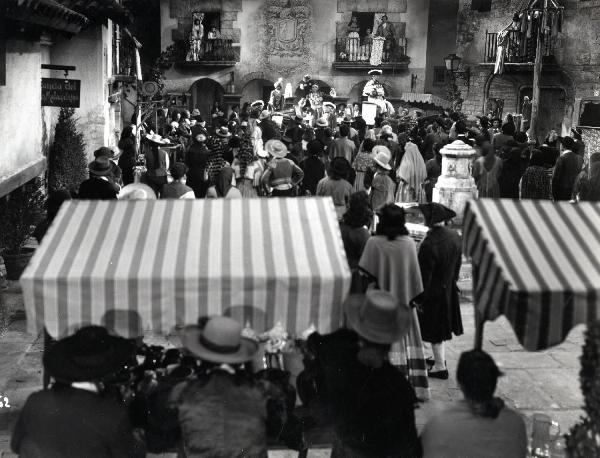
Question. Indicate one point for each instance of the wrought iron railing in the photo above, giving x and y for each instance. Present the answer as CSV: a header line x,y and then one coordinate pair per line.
x,y
359,50
218,49
519,47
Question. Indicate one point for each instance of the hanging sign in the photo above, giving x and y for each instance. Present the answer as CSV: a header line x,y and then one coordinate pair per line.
x,y
58,92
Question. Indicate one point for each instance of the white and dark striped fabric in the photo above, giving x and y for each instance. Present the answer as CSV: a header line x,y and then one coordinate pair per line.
x,y
537,262
260,261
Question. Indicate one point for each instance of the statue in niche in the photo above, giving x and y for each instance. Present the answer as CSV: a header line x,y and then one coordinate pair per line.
x,y
196,36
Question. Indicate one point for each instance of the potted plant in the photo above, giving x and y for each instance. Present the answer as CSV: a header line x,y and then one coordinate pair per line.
x,y
20,210
584,438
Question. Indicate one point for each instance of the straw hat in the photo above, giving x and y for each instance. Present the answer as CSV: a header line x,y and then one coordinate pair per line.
x,y
276,148
375,72
378,316
155,138
329,104
220,341
137,191
223,132
382,159
90,354
322,122
257,103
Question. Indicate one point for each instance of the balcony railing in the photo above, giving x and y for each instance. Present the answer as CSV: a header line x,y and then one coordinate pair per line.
x,y
215,50
519,49
356,50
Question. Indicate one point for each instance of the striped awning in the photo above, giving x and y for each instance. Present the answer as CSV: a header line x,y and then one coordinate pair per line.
x,y
537,263
261,261
430,99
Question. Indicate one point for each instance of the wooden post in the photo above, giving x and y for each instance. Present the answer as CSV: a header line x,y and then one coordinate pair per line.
x,y
537,74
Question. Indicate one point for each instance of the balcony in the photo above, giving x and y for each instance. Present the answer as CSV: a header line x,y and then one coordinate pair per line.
x,y
520,49
355,54
218,53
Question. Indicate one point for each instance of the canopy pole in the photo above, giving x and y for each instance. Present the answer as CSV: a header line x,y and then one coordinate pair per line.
x,y
479,318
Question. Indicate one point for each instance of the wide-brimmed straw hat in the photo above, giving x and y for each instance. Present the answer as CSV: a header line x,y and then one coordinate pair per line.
x,y
375,72
329,104
220,341
382,149
90,354
223,132
136,191
276,148
257,103
155,138
382,160
378,316
100,167
435,213
322,122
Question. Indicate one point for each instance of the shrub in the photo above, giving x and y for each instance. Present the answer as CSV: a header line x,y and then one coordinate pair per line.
x,y
19,212
67,165
584,438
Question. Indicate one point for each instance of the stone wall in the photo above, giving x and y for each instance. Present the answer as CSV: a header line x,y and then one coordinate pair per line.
x,y
577,54
247,19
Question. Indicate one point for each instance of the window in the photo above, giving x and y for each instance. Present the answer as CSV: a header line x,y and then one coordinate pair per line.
x,y
209,21
439,75
590,113
365,21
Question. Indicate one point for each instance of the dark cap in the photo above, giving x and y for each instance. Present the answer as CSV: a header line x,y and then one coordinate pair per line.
x,y
104,151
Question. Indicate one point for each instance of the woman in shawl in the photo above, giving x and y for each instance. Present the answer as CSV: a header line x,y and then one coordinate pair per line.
x,y
390,260
535,182
486,170
440,257
128,157
223,186
411,175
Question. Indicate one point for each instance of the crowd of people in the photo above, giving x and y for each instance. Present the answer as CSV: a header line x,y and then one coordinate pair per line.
x,y
209,399
397,159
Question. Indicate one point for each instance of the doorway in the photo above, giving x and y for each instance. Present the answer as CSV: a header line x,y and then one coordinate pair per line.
x,y
257,89
551,111
205,92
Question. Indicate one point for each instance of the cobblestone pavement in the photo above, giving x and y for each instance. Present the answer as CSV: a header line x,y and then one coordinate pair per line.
x,y
545,381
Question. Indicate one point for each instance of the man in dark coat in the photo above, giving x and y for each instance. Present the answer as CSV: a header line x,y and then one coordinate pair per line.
x,y
372,402
567,167
72,419
439,260
99,185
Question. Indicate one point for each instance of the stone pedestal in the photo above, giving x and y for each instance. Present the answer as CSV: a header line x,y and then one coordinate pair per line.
x,y
456,186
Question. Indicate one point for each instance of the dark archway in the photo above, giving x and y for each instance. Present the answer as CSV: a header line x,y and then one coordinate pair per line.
x,y
257,89
205,92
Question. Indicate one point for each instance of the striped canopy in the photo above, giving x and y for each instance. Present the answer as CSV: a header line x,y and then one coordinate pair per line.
x,y
261,261
537,262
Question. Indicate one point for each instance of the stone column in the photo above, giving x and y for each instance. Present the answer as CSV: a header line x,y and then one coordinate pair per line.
x,y
456,186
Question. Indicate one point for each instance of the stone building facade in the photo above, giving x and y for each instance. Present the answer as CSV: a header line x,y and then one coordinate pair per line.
x,y
569,75
287,39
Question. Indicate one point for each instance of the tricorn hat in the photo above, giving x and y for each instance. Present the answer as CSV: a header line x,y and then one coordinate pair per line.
x,y
436,213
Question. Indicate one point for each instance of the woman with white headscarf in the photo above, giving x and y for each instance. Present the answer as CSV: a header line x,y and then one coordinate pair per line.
x,y
411,174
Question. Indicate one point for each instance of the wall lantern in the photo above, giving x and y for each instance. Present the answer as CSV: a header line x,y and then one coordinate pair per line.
x,y
453,66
